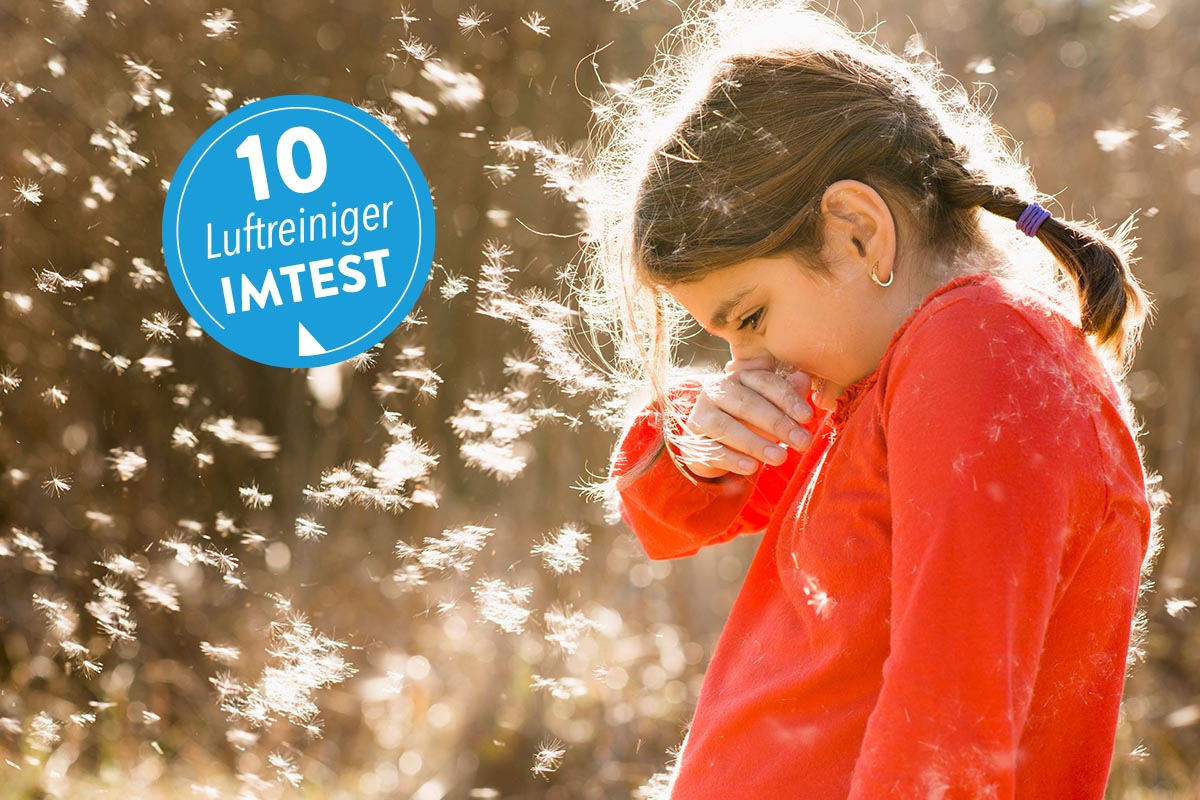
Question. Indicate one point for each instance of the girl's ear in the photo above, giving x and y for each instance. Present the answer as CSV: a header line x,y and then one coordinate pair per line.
x,y
858,223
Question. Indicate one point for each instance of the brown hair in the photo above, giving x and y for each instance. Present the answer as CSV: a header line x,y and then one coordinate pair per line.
x,y
723,153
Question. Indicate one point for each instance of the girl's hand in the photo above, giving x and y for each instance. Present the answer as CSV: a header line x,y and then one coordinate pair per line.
x,y
747,410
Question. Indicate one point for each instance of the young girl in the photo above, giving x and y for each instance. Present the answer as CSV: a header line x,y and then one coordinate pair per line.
x,y
925,416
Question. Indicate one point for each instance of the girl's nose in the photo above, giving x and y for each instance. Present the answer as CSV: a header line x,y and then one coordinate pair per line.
x,y
749,359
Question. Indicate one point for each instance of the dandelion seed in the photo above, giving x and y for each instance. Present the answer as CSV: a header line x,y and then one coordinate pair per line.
x,y
241,739
28,192
220,23
182,437
1130,9
74,650
497,459
981,66
559,688
534,23
43,732
79,720
160,326
244,434
9,379
1170,121
76,8
99,519
522,367
1183,717
111,612
453,550
98,271
499,603
472,21
307,528
44,162
145,276
404,460
409,577
186,553
406,16
914,46
253,498
6,98
159,592
21,303
119,141
1177,606
57,485
117,363
366,359
818,598
225,524
128,464
142,74
418,110
285,768
562,553
218,100
154,363
460,90
1138,753
566,627
453,286
548,756
499,174
1113,139
414,48
517,147
389,120
123,566
301,661
55,396
548,324
51,282
85,343
61,619
30,545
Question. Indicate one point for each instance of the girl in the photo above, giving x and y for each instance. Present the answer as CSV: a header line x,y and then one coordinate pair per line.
x,y
929,422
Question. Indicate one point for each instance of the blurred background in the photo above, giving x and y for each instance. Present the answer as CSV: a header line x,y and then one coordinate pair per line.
x,y
385,578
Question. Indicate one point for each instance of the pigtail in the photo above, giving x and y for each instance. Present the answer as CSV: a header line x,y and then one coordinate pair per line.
x,y
1114,307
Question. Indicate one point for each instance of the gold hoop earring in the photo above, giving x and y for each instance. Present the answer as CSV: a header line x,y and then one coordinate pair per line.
x,y
875,278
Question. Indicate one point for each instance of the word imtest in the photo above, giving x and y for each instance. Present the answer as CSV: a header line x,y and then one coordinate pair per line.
x,y
321,274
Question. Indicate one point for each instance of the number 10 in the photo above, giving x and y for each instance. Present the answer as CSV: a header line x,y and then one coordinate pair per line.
x,y
251,150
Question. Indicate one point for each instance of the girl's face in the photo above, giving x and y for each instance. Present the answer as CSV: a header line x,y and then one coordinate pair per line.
x,y
836,329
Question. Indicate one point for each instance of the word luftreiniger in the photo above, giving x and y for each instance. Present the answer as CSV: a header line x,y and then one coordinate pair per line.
x,y
259,235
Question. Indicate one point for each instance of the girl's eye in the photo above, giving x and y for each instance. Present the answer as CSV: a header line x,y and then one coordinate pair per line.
x,y
756,316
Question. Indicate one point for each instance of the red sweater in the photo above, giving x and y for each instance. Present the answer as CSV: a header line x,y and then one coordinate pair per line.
x,y
942,602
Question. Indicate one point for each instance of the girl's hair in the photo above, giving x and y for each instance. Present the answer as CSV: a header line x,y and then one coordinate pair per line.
x,y
722,153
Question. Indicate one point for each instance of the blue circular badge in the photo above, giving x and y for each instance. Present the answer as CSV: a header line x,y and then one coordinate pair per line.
x,y
298,231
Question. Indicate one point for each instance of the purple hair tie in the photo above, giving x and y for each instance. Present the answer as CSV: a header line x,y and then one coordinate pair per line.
x,y
1032,218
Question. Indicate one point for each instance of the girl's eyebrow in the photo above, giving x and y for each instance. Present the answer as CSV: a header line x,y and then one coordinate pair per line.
x,y
720,317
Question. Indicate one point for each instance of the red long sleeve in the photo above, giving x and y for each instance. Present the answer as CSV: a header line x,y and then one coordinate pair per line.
x,y
674,517
991,498
941,604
